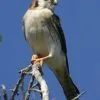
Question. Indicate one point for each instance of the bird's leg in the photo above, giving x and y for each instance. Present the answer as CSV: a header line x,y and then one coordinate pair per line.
x,y
34,58
37,58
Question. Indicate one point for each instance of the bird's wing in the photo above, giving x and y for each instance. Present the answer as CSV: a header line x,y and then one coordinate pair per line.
x,y
55,21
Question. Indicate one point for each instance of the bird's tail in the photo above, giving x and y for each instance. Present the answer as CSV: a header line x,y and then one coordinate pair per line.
x,y
69,88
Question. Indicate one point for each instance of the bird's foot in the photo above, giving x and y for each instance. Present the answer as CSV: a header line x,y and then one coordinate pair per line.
x,y
37,58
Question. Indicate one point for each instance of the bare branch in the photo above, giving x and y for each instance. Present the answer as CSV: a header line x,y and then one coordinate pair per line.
x,y
15,90
29,87
4,93
36,90
34,85
36,73
22,90
27,69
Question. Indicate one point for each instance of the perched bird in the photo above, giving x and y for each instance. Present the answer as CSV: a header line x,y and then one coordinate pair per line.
x,y
45,36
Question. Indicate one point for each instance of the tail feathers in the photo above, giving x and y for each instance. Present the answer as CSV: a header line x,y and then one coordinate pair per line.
x,y
69,88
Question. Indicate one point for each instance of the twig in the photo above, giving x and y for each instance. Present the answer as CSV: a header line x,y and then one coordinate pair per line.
x,y
34,85
36,90
22,90
28,68
4,93
29,87
36,73
15,90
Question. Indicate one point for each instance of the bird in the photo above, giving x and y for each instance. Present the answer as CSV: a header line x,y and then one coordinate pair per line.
x,y
45,36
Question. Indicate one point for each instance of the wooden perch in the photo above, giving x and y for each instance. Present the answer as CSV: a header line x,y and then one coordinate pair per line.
x,y
43,86
35,72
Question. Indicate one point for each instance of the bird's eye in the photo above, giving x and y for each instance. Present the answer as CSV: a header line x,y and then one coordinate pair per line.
x,y
53,1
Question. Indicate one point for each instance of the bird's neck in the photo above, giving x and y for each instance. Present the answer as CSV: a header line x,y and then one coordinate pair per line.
x,y
41,4
34,4
45,4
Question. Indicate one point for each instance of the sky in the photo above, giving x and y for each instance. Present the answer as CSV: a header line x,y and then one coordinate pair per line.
x,y
80,20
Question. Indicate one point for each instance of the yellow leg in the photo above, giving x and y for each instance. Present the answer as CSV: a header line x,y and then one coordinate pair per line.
x,y
36,58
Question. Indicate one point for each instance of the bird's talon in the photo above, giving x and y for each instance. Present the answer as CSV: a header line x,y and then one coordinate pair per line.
x,y
37,60
34,59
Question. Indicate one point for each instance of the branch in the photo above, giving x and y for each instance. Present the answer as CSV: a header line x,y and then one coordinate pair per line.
x,y
15,90
43,86
29,88
36,73
4,93
22,90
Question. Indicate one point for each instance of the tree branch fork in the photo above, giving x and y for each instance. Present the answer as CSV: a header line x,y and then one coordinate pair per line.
x,y
35,71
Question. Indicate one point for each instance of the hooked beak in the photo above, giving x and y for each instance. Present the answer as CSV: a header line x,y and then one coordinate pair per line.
x,y
54,2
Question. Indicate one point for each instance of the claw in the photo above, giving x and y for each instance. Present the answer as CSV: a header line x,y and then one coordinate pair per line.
x,y
35,59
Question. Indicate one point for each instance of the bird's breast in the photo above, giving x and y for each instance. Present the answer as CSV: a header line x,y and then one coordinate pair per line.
x,y
36,32
39,37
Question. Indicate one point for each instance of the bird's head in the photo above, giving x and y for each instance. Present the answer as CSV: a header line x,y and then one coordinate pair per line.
x,y
47,3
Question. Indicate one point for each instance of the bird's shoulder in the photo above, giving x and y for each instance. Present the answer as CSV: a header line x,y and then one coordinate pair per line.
x,y
55,20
